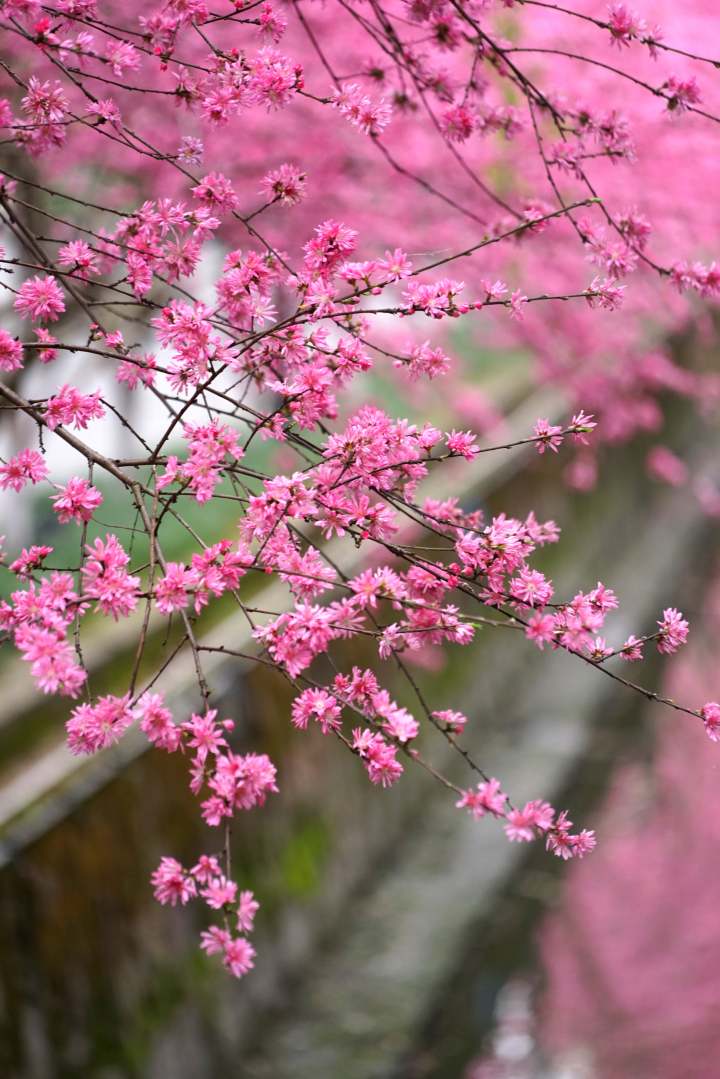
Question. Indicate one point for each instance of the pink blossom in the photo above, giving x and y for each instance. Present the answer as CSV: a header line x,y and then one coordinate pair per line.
x,y
76,501
238,782
246,911
219,892
463,444
604,293
582,425
106,579
458,123
214,940
632,649
239,956
524,824
172,884
122,57
204,734
710,713
316,704
27,466
378,755
486,798
286,184
78,257
216,191
40,299
548,436
624,24
70,406
673,631
682,93
156,722
564,845
172,591
531,587
92,727
455,721
11,353
30,559
370,117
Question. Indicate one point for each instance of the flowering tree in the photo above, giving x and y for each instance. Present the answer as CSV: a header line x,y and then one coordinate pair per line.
x,y
142,148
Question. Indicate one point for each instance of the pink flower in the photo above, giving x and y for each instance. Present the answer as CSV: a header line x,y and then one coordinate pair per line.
x,y
518,299
424,360
603,292
214,940
624,24
599,650
397,722
710,713
106,579
462,444
70,406
40,299
316,704
632,649
207,867
582,425
219,892
156,722
76,501
238,782
246,911
395,265
487,798
564,845
455,721
524,824
548,436
122,56
286,184
137,372
216,190
239,956
172,592
172,883
92,727
673,631
531,587
682,93
204,734
106,110
332,242
11,353
79,258
379,757
458,123
52,658
28,466
29,560
370,117
541,629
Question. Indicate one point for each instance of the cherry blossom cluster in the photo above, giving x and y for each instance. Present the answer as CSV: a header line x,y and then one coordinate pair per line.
x,y
230,289
173,884
536,818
